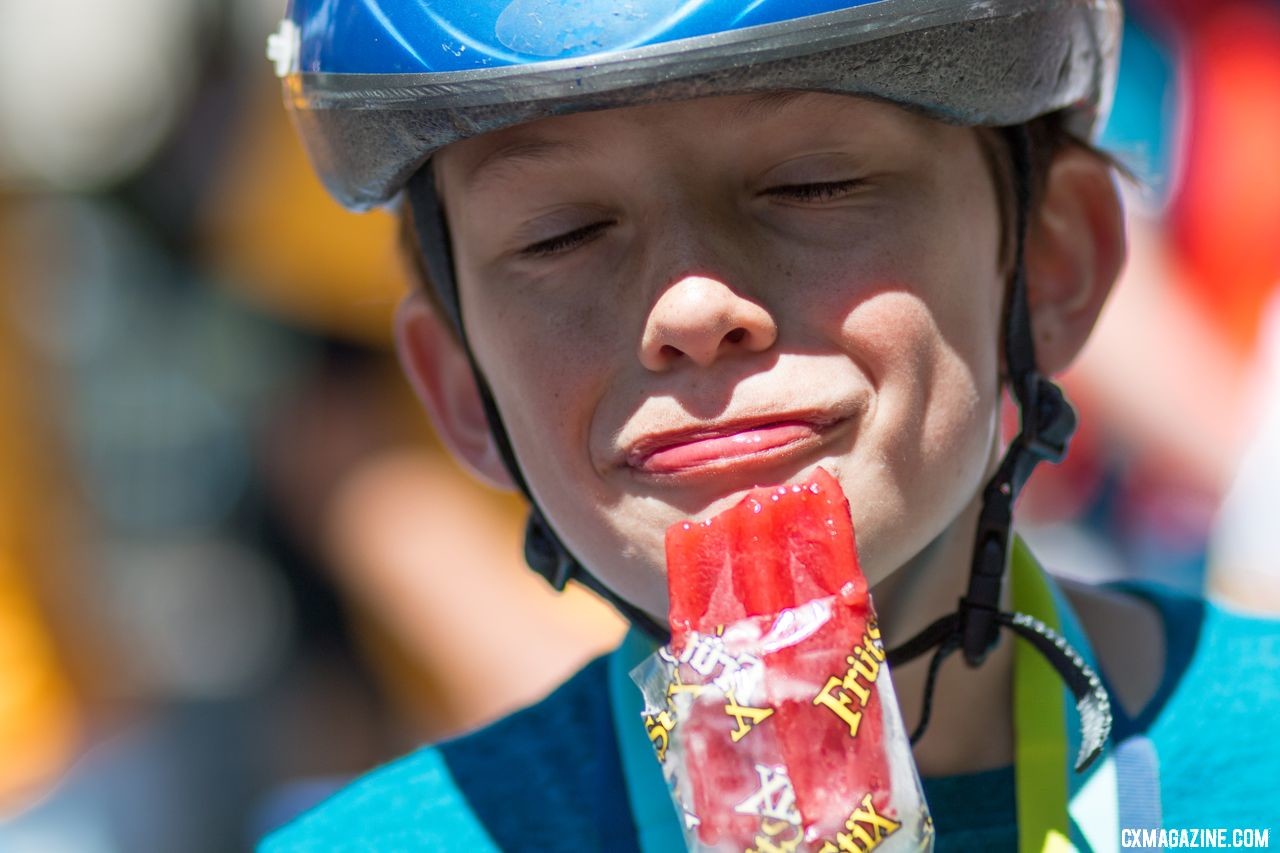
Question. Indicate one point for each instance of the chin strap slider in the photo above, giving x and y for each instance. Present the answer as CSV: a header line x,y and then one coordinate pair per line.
x,y
1049,421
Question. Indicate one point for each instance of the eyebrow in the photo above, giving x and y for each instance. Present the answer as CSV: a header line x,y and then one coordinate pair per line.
x,y
501,161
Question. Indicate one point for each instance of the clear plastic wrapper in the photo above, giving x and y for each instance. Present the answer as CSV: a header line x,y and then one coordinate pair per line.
x,y
780,731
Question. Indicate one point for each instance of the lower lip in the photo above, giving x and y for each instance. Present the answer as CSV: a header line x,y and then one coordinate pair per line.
x,y
762,443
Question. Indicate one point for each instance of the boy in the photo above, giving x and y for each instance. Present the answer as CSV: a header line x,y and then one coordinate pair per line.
x,y
675,251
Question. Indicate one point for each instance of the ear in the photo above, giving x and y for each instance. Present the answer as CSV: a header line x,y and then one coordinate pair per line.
x,y
440,373
1074,252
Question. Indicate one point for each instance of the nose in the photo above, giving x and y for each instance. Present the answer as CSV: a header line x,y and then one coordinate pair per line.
x,y
699,320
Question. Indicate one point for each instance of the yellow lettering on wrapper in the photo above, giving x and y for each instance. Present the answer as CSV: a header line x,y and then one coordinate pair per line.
x,y
867,829
767,845
866,658
867,816
865,664
839,703
864,669
746,716
678,686
852,684
659,727
770,842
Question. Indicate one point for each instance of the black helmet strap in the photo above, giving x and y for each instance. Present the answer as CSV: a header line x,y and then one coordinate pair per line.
x,y
545,553
1046,423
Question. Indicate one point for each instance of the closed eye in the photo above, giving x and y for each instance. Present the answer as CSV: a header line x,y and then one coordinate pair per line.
x,y
825,191
567,241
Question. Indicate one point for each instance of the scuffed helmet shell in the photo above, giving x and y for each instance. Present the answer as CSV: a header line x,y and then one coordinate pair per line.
x,y
978,63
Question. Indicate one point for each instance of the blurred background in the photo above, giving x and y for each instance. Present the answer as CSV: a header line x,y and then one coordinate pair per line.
x,y
235,565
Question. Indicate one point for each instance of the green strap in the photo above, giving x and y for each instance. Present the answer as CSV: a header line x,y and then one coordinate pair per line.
x,y
1040,720
1058,809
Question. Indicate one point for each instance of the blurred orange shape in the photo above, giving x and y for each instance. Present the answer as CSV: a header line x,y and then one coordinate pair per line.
x,y
39,728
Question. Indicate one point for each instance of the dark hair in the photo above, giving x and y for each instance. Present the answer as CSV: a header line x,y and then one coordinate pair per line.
x,y
1048,135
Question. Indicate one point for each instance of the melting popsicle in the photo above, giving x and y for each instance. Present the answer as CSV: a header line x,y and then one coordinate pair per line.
x,y
776,656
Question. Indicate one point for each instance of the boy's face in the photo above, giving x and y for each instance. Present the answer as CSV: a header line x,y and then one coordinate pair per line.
x,y
675,303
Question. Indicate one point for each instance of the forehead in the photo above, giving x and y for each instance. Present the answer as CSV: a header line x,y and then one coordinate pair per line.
x,y
764,118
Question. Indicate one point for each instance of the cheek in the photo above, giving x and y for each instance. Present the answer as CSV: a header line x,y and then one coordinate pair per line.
x,y
926,445
933,387
919,315
549,361
540,354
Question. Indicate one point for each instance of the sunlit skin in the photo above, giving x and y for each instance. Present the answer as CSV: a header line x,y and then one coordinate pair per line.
x,y
821,260
675,303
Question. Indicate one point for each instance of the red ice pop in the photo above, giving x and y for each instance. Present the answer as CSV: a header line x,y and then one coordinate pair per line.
x,y
777,549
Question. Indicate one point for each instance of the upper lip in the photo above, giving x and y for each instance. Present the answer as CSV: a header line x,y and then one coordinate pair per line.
x,y
634,453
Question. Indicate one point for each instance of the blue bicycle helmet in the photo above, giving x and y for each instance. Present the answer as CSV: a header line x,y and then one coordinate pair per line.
x,y
376,86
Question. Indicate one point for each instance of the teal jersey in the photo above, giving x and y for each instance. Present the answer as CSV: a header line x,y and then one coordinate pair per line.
x,y
555,776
